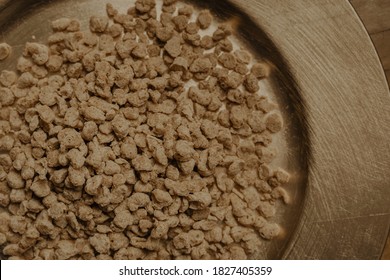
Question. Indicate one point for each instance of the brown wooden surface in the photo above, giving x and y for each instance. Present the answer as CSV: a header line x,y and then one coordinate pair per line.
x,y
375,15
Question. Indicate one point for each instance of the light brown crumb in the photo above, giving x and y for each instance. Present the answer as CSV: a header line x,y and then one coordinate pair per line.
x,y
274,122
260,70
173,46
5,50
98,24
39,52
65,24
204,19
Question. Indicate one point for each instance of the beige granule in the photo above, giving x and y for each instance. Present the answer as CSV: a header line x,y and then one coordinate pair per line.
x,y
5,50
138,139
173,46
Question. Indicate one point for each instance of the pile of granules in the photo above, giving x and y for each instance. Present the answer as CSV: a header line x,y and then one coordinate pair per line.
x,y
138,139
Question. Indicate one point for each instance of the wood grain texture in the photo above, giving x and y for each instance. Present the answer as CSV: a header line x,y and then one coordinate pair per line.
x,y
381,41
347,212
386,251
375,14
376,20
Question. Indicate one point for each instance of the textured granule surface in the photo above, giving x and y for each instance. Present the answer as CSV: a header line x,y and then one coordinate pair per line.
x,y
5,51
137,139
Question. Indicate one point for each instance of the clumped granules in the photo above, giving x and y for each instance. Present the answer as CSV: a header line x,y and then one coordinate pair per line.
x,y
138,139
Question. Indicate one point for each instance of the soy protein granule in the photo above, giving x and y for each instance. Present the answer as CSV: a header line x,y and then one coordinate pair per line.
x,y
138,139
5,51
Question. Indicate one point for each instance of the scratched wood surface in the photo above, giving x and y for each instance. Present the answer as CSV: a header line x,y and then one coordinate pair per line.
x,y
375,15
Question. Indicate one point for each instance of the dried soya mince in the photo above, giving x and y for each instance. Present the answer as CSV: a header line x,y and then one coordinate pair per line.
x,y
106,153
5,51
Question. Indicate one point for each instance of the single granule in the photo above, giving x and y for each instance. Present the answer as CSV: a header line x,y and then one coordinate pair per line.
x,y
260,70
40,188
140,138
274,122
5,51
7,78
98,24
173,46
204,19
